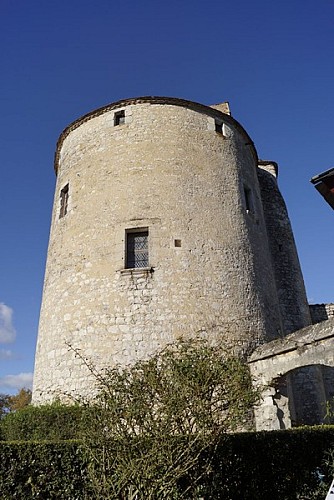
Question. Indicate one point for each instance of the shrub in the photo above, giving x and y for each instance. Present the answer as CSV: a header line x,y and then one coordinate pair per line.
x,y
48,422
280,465
42,470
154,420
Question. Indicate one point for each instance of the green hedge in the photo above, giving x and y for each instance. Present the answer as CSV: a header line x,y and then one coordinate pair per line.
x,y
248,466
49,422
42,470
270,465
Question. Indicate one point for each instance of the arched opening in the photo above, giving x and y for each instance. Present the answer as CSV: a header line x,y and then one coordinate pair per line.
x,y
305,396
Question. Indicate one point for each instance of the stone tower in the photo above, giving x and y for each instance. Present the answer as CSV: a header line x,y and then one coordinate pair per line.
x,y
159,231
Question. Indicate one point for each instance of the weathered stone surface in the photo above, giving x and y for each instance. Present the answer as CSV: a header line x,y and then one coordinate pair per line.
x,y
303,362
194,186
297,342
321,312
290,287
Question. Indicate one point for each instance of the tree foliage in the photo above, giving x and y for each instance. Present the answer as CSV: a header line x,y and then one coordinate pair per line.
x,y
20,400
12,403
155,425
4,404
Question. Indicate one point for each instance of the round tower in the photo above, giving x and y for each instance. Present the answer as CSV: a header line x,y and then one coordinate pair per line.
x,y
294,308
157,233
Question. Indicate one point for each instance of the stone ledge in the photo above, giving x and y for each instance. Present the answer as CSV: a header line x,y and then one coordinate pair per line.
x,y
296,340
136,271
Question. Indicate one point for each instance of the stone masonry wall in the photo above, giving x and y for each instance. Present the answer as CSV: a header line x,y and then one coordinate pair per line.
x,y
167,169
321,312
296,374
290,287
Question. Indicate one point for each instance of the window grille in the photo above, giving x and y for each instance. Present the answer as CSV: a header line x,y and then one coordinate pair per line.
x,y
137,249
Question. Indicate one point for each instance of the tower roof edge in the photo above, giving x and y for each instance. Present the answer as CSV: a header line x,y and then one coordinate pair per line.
x,y
213,111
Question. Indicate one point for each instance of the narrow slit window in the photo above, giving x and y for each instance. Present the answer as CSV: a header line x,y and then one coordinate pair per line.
x,y
248,200
119,118
136,249
219,127
64,193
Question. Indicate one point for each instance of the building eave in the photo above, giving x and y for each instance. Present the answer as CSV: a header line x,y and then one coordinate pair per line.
x,y
324,183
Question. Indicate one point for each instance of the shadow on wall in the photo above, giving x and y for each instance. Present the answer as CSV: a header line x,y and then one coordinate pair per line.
x,y
305,396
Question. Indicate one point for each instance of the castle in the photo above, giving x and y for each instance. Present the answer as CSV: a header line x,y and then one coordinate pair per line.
x,y
166,224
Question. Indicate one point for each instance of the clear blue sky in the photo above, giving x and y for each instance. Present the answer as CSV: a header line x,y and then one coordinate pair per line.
x,y
273,61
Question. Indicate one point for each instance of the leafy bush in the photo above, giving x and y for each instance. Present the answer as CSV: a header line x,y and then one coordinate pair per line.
x,y
48,422
154,420
280,465
42,470
161,429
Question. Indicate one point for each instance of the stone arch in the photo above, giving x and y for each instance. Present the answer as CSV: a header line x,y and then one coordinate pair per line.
x,y
296,374
304,396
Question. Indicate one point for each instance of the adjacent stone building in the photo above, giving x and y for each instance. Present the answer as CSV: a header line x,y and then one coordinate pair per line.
x,y
297,377
165,224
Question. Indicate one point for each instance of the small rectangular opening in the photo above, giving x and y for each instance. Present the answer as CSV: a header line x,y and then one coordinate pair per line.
x,y
64,193
219,127
177,243
119,118
136,248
